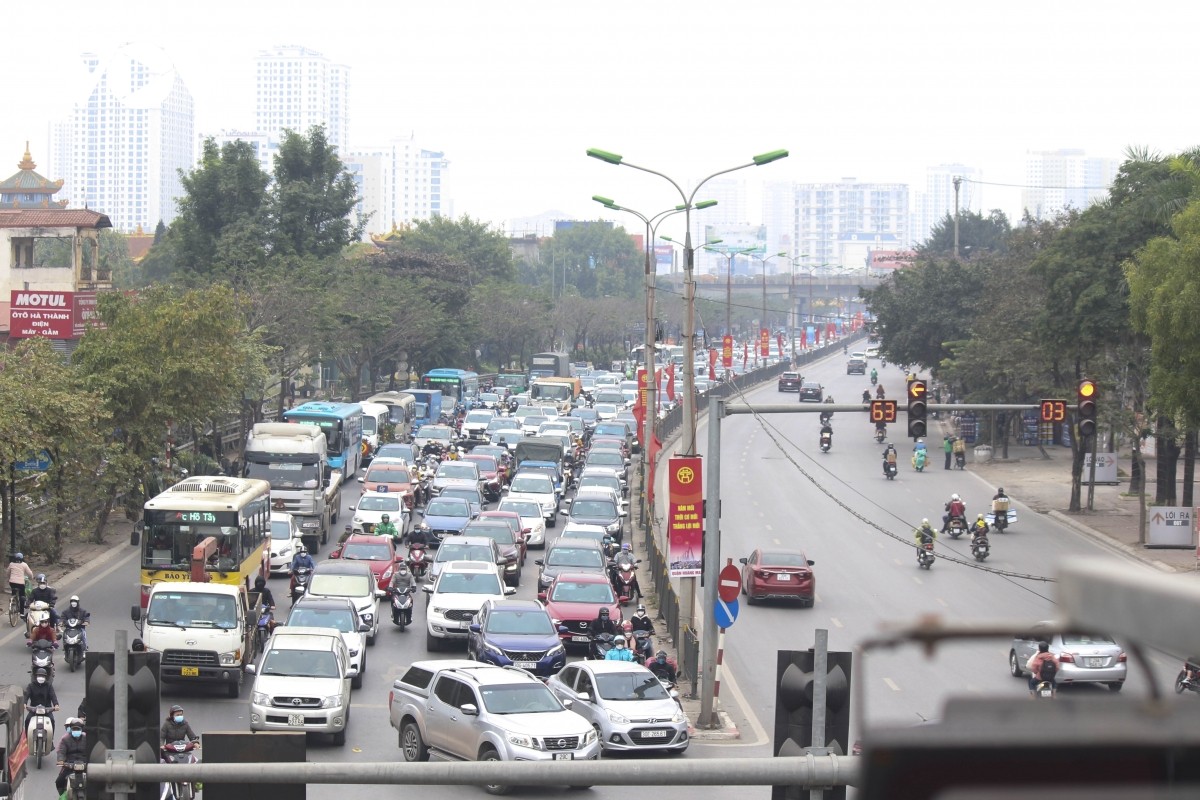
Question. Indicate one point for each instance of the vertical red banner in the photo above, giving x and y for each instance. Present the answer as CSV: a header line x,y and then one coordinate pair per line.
x,y
727,351
764,342
712,364
685,516
639,408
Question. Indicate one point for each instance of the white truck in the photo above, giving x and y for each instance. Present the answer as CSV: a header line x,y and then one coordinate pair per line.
x,y
204,632
293,459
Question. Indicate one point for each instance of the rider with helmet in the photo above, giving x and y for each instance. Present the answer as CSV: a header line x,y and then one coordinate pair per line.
x,y
175,728
43,631
642,622
19,574
619,652
661,667
72,749
47,595
979,528
302,559
40,692
264,593
925,533
602,624
955,509
402,580
386,528
76,612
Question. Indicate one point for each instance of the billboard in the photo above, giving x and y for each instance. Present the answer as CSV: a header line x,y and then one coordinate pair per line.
x,y
685,522
50,314
891,259
664,258
737,238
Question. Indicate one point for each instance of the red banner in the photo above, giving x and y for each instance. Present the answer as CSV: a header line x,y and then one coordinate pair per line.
x,y
50,314
712,364
671,381
745,353
779,341
727,351
764,342
685,521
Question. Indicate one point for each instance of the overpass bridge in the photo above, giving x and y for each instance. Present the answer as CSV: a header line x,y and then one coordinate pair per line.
x,y
801,297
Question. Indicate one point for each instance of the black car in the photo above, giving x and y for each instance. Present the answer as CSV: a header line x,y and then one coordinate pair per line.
x,y
856,366
570,556
811,390
789,382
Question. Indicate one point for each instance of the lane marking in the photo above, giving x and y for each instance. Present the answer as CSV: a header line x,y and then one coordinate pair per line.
x,y
837,623
943,602
918,580
776,541
891,684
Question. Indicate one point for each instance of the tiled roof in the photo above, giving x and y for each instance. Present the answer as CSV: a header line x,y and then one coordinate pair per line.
x,y
53,218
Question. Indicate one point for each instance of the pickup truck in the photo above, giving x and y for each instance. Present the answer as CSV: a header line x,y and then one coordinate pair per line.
x,y
461,710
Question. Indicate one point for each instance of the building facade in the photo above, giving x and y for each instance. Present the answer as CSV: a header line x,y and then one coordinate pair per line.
x,y
399,183
128,134
1060,179
937,200
296,88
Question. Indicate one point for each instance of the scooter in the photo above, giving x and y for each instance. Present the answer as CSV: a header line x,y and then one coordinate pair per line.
x,y
874,379
625,574
918,460
415,560
72,642
957,527
1044,691
600,646
180,752
38,611
925,555
402,606
40,734
880,435
300,578
77,779
960,460
980,548
1183,684
826,441
43,657
889,470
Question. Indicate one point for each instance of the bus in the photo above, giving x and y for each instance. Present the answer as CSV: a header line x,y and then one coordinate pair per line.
x,y
402,409
342,425
207,528
455,384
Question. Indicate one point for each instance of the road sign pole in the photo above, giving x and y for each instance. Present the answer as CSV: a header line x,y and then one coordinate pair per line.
x,y
712,563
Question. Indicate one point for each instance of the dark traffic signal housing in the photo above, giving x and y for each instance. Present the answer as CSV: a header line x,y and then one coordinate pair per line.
x,y
917,408
1085,407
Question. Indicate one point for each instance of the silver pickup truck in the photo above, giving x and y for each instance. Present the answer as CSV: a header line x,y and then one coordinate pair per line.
x,y
463,710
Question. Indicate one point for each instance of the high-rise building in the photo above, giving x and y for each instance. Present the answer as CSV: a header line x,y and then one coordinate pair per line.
x,y
933,204
297,88
835,224
128,134
1060,179
264,147
399,183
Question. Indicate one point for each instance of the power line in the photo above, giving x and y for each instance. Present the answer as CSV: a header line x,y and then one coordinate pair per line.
x,y
1027,186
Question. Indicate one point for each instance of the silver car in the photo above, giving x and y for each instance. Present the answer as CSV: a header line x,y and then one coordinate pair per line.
x,y
1082,658
625,702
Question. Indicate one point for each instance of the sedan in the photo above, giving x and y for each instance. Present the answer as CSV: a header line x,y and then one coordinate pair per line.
x,y
778,574
570,556
574,599
811,390
378,551
625,703
510,549
472,495
513,520
445,516
1082,658
533,525
456,474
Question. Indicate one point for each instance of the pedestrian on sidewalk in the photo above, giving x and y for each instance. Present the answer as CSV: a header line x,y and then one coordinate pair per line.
x,y
948,447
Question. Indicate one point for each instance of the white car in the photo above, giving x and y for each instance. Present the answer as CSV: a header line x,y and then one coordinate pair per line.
x,y
531,519
459,593
538,487
285,538
606,411
476,422
302,683
531,423
373,505
426,434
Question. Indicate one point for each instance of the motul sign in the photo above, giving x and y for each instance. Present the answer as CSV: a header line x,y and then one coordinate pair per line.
x,y
41,300
51,315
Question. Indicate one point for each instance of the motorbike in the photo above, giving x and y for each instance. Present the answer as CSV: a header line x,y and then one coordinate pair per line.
x,y
1000,514
415,560
980,548
180,752
625,572
880,435
38,611
1183,683
43,657
40,734
610,546
1044,690
77,780
826,441
641,646
72,642
402,605
925,555
960,460
300,578
874,379
957,527
918,460
889,470
600,646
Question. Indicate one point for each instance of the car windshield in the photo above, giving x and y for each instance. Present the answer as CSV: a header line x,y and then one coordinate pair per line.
x,y
485,464
525,508
1077,639
609,429
533,421
463,493
366,551
601,509
453,551
575,557
783,560
340,585
790,376
532,622
602,481
433,432
573,592
521,698
388,473
479,416
586,414
342,619
605,408
606,457
447,507
489,397
501,534
300,663
372,502
403,451
281,529
192,610
504,424
533,484
630,686
469,583
285,474
458,471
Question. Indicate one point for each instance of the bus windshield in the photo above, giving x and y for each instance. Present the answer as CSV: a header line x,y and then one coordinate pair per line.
x,y
332,429
171,546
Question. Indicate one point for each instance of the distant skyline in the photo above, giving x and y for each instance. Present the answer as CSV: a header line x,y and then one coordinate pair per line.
x,y
514,93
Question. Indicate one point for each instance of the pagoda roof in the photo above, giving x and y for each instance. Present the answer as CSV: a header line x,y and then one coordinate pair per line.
x,y
53,218
26,181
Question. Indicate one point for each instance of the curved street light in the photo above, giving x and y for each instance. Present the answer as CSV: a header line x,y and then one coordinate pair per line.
x,y
763,322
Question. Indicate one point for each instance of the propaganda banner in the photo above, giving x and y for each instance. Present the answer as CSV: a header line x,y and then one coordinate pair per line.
x,y
685,516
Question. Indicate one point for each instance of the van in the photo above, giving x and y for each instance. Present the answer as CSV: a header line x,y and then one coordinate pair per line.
x,y
302,683
376,421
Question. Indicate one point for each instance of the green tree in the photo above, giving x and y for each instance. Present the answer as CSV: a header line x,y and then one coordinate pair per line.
x,y
595,260
312,198
483,252
977,235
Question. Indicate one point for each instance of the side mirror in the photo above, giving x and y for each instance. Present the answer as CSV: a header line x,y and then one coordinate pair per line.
x,y
811,562
135,535
542,596
352,670
744,560
510,590
251,669
475,627
469,710
135,613
585,697
566,512
336,554
364,627
381,593
427,588
362,478
538,561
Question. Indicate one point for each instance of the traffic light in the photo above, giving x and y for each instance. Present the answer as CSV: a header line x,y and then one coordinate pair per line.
x,y
917,408
142,710
883,411
794,711
1053,410
1085,408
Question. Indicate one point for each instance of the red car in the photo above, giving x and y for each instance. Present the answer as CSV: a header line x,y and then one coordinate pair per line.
x,y
514,521
378,551
574,599
489,470
778,574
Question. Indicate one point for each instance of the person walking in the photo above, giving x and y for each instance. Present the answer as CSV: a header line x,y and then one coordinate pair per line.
x,y
948,447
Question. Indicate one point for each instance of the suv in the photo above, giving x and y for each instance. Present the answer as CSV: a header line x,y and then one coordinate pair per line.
x,y
516,633
789,382
462,548
538,487
302,683
353,580
857,365
339,614
570,555
460,590
597,507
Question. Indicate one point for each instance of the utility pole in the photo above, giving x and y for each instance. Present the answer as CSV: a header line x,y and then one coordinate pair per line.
x,y
957,184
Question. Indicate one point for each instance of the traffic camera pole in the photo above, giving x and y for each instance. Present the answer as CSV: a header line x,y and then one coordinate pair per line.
x,y
712,566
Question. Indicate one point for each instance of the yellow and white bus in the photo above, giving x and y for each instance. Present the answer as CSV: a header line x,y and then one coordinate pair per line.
x,y
207,528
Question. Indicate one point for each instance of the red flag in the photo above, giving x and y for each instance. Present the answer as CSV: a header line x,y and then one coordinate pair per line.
x,y
712,364
652,462
804,337
779,341
671,382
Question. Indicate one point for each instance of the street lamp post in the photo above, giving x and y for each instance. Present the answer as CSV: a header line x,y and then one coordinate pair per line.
x,y
762,323
712,549
729,256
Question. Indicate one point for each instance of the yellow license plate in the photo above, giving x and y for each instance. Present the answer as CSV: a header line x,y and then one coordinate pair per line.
x,y
189,672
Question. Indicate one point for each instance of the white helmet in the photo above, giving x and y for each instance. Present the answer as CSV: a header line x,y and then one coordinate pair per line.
x,y
955,497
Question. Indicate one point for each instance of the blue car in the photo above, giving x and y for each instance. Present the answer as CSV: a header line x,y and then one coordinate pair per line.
x,y
445,516
518,633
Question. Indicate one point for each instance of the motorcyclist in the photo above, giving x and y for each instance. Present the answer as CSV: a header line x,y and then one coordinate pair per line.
x,y
881,429
889,456
19,575
925,533
40,692
268,601
347,532
626,553
1000,504
402,579
866,395
43,631
874,376
302,559
47,595
827,415
980,528
661,667
72,749
1034,665
386,528
175,728
955,509
418,536
618,652
826,433
75,611
879,392
602,624
641,622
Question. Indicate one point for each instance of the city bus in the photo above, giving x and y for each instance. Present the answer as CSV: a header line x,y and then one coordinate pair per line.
x,y
455,384
342,424
402,409
207,528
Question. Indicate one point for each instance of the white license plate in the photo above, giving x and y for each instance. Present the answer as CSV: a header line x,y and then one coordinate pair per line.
x,y
526,664
564,756
1047,693
654,734
1095,662
784,577
295,719
580,639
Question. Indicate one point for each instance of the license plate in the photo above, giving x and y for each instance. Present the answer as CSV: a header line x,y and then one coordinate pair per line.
x,y
295,719
564,756
654,734
1095,662
784,577
580,639
189,672
1047,693
526,664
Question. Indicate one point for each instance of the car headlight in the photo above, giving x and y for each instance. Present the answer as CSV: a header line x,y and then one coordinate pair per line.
x,y
260,698
521,741
230,659
613,527
387,575
558,649
367,618
619,719
332,701
590,736
678,717
491,648
438,610
354,654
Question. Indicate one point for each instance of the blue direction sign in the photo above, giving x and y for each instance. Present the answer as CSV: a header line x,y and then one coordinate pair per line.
x,y
726,613
39,463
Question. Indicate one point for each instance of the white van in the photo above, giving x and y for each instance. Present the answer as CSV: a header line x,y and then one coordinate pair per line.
x,y
375,419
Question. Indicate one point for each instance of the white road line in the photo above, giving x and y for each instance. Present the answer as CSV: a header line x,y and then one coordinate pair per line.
x,y
768,527
776,541
891,684
918,580
943,602
837,623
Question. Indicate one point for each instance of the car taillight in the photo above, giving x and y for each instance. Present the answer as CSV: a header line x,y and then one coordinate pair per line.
x,y
1121,658
1066,658
758,573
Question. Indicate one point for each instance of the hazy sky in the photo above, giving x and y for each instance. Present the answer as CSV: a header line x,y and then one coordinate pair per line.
x,y
514,92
